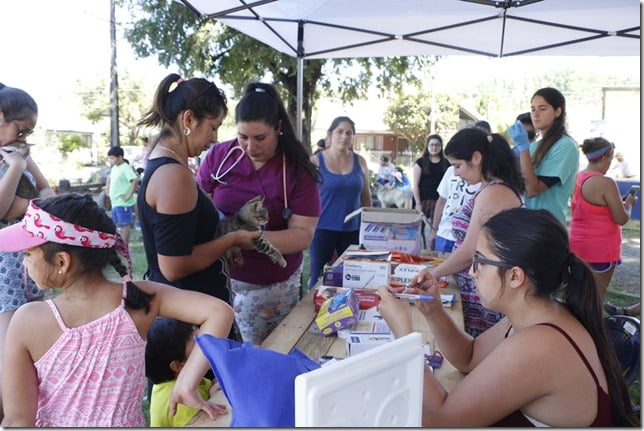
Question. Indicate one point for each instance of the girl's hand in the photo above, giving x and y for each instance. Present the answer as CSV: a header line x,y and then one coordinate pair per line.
x,y
191,398
395,311
12,157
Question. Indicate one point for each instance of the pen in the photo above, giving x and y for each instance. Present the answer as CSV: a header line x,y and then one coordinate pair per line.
x,y
414,296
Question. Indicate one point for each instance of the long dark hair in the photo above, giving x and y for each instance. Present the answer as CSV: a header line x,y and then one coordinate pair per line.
x,y
537,242
261,102
426,159
83,211
555,99
498,160
175,95
16,104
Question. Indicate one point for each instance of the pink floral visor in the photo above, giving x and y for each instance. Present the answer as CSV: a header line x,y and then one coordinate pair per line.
x,y
38,227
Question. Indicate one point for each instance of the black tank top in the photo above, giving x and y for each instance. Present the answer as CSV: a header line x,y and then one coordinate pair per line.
x,y
177,234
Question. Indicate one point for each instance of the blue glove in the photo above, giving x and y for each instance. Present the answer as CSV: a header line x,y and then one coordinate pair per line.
x,y
519,135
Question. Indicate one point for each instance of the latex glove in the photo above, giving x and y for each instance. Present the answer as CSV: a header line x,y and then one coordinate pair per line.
x,y
519,135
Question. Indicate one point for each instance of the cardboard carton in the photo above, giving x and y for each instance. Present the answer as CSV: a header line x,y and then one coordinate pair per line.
x,y
390,229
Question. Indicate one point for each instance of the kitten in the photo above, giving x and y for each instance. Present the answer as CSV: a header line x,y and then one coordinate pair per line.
x,y
251,216
26,189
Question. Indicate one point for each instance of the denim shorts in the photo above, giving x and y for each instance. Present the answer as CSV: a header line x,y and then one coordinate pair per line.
x,y
604,266
122,216
443,245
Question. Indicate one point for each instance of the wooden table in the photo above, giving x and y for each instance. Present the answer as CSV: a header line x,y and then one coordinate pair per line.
x,y
298,329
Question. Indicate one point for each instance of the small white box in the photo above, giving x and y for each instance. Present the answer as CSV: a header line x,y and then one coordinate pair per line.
x,y
358,343
361,274
390,229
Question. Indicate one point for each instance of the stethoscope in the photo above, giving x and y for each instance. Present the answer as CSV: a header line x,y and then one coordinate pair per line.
x,y
218,175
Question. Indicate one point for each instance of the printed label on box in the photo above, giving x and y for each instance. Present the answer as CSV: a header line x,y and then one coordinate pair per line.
x,y
362,274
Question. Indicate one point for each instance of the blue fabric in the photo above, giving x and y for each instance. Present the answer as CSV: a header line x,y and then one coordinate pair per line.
x,y
340,195
258,383
443,245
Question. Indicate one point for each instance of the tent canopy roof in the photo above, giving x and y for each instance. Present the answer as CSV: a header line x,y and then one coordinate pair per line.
x,y
378,28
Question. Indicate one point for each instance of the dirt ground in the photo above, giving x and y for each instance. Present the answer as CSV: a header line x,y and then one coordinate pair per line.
x,y
627,276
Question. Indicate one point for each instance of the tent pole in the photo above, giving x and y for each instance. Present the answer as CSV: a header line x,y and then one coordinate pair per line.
x,y
300,87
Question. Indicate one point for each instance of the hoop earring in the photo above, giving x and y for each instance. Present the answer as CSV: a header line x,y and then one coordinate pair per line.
x,y
186,131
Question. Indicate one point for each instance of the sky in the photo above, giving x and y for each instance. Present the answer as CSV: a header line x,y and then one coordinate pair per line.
x,y
48,45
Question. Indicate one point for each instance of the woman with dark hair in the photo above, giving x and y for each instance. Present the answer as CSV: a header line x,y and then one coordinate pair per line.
x,y
487,159
20,180
266,159
550,164
549,360
598,213
178,220
428,172
344,189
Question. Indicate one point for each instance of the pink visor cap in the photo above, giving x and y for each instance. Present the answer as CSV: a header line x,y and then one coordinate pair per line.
x,y
38,227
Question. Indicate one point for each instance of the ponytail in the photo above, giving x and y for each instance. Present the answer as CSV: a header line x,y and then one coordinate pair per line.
x,y
135,298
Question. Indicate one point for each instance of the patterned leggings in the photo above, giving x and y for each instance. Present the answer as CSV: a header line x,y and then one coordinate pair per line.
x,y
260,308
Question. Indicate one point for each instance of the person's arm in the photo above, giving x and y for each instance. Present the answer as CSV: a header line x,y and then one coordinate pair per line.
x,y
533,185
133,185
213,317
620,210
41,182
365,195
179,196
19,379
9,181
416,174
297,237
490,201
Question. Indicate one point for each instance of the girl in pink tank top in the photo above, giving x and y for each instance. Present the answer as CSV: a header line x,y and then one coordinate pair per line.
x,y
79,360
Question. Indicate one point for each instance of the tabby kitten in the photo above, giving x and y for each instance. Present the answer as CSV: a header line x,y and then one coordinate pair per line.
x,y
26,188
251,216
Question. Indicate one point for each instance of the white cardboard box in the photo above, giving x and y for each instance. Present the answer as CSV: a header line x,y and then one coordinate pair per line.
x,y
361,274
390,229
358,343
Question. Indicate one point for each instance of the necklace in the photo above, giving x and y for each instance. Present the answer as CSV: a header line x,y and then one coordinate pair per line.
x,y
178,159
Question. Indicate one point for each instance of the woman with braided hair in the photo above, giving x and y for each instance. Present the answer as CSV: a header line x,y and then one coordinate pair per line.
x,y
548,362
83,361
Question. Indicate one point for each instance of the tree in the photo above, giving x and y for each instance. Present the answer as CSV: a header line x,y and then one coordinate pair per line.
x,y
133,102
178,36
408,116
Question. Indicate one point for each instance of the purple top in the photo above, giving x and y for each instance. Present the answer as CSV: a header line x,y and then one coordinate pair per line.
x,y
243,183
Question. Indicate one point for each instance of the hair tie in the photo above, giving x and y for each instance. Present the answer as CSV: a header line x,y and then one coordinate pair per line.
x,y
260,90
173,86
598,153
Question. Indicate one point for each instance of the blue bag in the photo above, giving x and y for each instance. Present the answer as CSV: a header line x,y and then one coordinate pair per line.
x,y
258,383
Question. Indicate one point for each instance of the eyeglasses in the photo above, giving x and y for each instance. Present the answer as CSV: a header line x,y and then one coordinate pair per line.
x,y
23,133
478,260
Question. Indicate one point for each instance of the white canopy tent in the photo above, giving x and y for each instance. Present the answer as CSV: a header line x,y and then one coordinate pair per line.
x,y
308,29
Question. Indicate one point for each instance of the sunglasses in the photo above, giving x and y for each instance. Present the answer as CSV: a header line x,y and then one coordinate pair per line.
x,y
479,260
23,133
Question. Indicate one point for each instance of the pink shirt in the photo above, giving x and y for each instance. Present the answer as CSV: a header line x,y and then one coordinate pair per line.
x,y
93,375
594,235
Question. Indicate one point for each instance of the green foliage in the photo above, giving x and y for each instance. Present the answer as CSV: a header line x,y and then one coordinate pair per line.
x,y
69,143
134,100
410,115
177,36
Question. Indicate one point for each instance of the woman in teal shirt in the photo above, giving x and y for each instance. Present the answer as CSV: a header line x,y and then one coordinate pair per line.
x,y
550,164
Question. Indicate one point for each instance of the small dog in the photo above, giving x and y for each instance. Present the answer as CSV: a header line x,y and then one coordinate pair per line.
x,y
390,197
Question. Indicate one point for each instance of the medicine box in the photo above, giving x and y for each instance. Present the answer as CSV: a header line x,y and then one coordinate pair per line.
x,y
390,229
358,343
362,274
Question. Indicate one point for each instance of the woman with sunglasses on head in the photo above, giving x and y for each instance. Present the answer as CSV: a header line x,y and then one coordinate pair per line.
x,y
550,164
344,189
548,362
486,159
265,159
20,180
178,219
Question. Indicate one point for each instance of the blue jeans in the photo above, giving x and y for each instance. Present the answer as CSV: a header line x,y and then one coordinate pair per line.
x,y
443,245
324,243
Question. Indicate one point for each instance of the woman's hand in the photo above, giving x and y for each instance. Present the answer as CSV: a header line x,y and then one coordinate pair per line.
x,y
244,238
12,157
425,283
191,398
396,311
